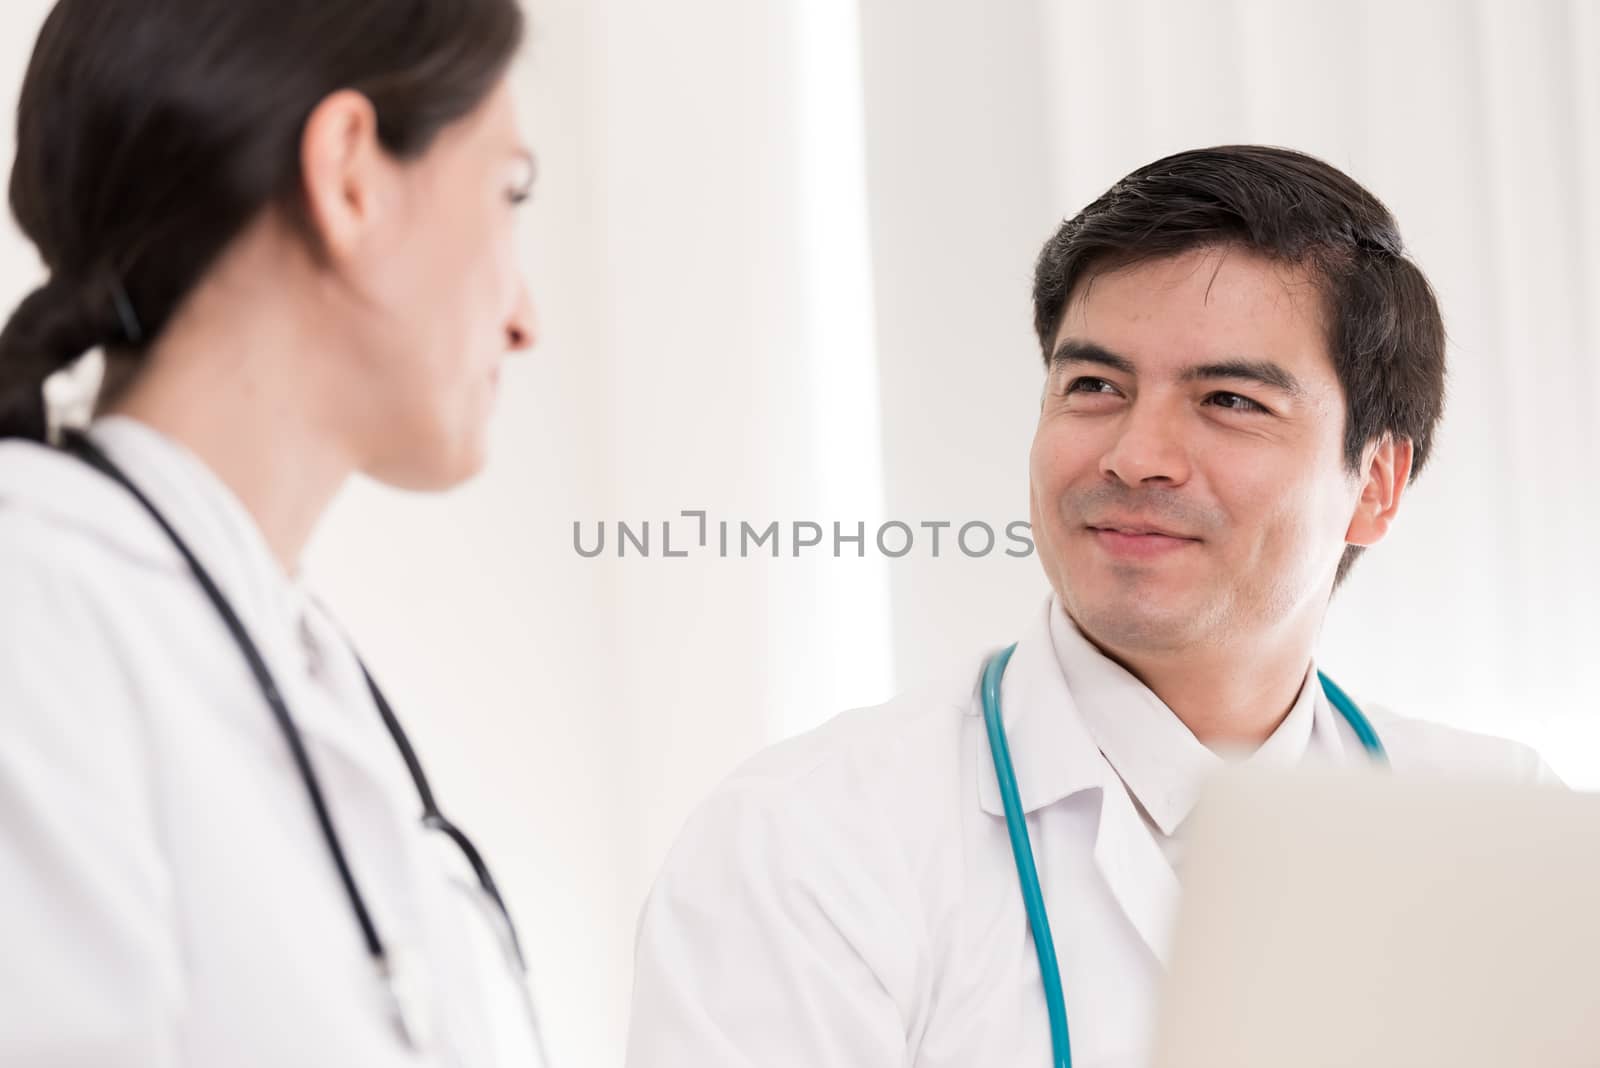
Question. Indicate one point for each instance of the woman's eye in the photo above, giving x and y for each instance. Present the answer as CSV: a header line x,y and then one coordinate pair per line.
x,y
522,184
1235,402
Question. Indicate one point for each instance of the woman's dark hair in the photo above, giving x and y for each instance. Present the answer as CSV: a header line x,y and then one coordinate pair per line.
x,y
150,133
1385,333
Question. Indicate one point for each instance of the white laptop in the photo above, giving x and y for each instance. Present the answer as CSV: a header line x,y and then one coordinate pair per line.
x,y
1354,918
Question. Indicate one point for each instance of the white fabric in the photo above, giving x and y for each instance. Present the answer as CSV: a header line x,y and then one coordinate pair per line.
x,y
167,898
849,898
1159,760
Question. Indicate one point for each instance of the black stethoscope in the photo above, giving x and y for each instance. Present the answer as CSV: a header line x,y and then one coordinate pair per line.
x,y
408,1017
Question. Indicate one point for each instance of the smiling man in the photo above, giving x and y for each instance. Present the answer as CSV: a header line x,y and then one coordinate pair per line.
x,y
1243,373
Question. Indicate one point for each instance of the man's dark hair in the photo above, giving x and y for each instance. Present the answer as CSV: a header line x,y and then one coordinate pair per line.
x,y
1384,330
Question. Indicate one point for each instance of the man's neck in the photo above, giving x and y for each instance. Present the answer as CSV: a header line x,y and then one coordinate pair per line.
x,y
1229,697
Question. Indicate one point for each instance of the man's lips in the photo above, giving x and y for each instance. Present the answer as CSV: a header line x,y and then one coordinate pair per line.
x,y
1138,541
1138,530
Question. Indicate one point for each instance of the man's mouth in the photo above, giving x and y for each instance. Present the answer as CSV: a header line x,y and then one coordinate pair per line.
x,y
1133,529
1138,541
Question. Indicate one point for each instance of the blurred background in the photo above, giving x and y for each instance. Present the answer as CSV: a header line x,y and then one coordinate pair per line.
x,y
781,251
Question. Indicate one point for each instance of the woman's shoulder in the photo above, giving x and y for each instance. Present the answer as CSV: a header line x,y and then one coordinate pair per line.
x,y
58,514
81,597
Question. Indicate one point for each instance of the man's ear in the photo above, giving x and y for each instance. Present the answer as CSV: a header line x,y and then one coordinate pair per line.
x,y
342,166
1387,473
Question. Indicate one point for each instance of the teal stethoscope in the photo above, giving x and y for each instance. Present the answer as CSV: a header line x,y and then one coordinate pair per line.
x,y
1028,875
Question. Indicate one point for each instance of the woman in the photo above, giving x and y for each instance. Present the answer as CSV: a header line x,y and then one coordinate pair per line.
x,y
288,223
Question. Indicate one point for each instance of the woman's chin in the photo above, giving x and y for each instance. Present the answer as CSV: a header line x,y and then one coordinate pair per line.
x,y
437,470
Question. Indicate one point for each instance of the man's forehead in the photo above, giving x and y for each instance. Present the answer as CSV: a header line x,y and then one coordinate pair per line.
x,y
1207,276
1200,306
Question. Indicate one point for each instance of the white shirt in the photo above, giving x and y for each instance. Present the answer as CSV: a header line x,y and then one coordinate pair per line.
x,y
166,896
1159,760
849,898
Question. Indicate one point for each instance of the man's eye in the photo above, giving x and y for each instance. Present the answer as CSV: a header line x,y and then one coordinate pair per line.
x,y
1090,385
1235,402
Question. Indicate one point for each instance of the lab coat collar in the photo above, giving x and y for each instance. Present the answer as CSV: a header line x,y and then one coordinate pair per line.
x,y
1331,737
1052,752
1055,758
295,636
214,523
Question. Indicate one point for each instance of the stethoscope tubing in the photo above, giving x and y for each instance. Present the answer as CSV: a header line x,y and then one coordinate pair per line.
x,y
1022,849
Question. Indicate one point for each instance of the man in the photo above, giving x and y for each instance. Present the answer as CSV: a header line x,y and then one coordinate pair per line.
x,y
1243,374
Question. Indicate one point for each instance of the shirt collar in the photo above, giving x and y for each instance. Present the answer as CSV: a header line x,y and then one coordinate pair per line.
x,y
1056,757
1162,763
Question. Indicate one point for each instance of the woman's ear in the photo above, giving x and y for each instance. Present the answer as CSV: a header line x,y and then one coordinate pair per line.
x,y
1387,473
342,166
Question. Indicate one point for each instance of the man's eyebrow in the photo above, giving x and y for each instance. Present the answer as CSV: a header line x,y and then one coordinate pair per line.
x,y
1072,350
1264,372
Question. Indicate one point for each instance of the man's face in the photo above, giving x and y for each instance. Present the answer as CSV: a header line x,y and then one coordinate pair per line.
x,y
1188,481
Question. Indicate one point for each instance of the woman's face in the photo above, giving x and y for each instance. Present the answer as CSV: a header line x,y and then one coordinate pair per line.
x,y
449,302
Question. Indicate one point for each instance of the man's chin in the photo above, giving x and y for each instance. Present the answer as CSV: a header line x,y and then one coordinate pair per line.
x,y
1137,624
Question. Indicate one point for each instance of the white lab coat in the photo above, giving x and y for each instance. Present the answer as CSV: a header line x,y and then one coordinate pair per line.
x,y
166,898
849,898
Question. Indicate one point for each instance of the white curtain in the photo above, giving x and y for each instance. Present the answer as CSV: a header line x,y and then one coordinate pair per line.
x,y
1478,124
699,257
782,253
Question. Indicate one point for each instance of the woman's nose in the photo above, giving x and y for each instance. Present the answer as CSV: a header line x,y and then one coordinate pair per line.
x,y
521,329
